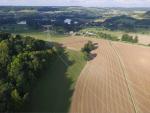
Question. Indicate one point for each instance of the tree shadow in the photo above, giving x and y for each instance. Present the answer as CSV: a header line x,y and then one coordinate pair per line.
x,y
92,56
95,46
53,91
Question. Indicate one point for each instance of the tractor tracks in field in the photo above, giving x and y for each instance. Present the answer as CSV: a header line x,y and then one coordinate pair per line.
x,y
125,74
102,86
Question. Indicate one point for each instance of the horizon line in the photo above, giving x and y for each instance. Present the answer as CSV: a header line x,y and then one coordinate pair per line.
x,y
74,6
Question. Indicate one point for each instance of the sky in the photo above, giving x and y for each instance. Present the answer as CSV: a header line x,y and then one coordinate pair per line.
x,y
86,3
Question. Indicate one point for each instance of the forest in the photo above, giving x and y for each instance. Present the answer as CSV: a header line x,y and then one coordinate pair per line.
x,y
22,60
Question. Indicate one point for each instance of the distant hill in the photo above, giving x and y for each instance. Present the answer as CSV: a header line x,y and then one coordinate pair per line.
x,y
147,14
125,23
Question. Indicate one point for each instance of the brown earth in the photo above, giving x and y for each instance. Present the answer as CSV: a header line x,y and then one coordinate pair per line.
x,y
136,61
117,80
75,42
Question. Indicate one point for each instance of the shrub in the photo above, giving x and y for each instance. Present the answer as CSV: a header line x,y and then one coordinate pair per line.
x,y
135,40
88,47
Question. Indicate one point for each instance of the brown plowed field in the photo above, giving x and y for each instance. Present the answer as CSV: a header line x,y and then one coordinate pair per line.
x,y
74,42
137,62
117,80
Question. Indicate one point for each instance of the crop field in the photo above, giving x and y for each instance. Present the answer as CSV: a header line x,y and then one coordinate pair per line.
x,y
74,42
136,62
115,81
143,36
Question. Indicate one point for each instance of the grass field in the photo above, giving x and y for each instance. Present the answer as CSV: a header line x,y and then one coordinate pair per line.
x,y
45,36
98,29
54,90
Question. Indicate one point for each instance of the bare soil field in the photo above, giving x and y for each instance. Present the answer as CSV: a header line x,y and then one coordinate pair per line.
x,y
75,42
116,81
136,61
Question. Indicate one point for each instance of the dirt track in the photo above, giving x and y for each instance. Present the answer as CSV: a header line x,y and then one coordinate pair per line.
x,y
116,81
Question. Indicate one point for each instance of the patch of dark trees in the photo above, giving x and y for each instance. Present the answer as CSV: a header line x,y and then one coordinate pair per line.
x,y
88,47
22,60
128,38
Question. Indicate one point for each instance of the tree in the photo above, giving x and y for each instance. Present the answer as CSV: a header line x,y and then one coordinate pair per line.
x,y
88,47
4,36
135,39
5,90
129,38
4,58
16,100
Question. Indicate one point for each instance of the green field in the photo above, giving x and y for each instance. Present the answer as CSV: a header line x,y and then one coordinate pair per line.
x,y
99,29
54,90
44,36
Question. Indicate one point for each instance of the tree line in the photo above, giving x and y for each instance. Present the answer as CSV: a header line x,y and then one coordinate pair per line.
x,y
107,36
128,38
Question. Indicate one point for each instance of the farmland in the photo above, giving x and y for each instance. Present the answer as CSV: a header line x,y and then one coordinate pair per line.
x,y
110,79
144,37
74,59
111,84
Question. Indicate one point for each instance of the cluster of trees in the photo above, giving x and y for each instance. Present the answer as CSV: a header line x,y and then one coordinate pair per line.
x,y
107,36
22,60
147,14
88,47
129,38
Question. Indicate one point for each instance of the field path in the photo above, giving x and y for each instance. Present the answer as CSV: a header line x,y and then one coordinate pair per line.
x,y
102,86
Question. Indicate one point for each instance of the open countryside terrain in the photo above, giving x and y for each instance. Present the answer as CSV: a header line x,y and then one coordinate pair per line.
x,y
143,36
144,39
115,81
74,59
